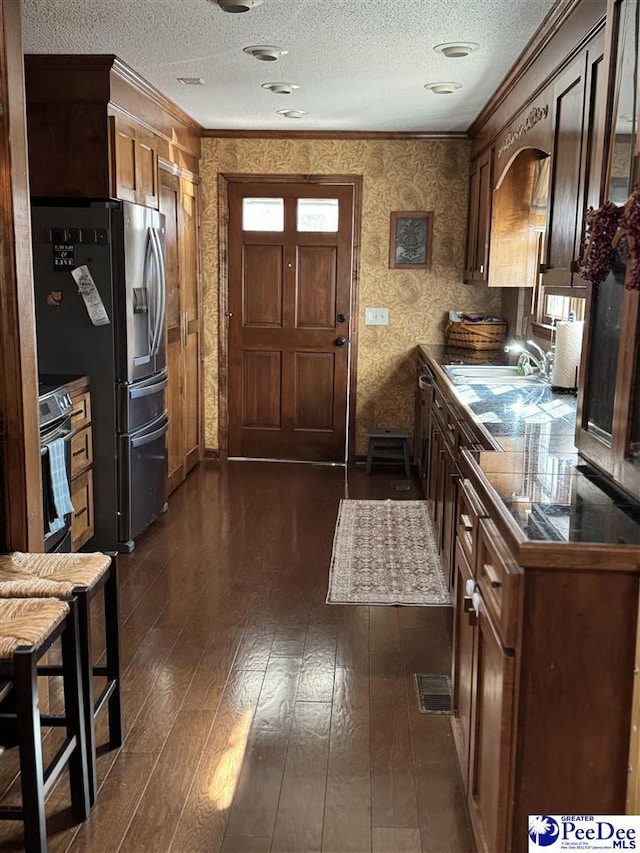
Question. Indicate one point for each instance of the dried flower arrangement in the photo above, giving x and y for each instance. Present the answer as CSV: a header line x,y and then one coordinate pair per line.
x,y
607,228
629,230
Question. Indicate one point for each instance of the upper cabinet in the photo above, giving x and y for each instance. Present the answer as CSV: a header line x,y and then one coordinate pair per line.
x,y
476,268
608,422
577,96
134,163
518,220
97,130
535,176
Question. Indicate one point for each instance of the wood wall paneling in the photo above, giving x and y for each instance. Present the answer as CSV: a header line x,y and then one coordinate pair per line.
x,y
18,371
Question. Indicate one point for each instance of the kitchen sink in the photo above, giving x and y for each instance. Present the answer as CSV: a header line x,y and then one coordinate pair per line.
x,y
488,374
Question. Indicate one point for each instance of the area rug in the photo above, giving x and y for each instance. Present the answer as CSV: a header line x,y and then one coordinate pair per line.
x,y
384,552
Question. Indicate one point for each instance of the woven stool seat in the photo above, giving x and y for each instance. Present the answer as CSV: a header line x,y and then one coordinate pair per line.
x,y
28,628
26,622
69,570
83,576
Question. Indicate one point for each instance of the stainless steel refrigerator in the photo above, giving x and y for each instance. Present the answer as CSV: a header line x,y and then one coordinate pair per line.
x,y
120,344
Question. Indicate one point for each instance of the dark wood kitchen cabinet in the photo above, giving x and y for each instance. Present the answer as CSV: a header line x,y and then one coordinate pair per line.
x,y
135,163
542,675
476,267
483,668
608,417
98,130
81,486
577,97
179,204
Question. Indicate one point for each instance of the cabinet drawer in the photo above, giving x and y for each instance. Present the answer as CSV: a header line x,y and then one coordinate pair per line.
x,y
81,451
499,579
447,420
81,414
439,406
470,510
82,528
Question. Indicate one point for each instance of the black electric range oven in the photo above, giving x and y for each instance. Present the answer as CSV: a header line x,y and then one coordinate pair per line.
x,y
54,412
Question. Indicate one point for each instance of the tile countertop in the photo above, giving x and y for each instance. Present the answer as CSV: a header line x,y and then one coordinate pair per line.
x,y
542,489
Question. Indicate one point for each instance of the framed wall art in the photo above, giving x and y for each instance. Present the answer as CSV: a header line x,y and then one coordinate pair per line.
x,y
411,240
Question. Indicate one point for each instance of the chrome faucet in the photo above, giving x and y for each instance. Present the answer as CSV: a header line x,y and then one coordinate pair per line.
x,y
543,362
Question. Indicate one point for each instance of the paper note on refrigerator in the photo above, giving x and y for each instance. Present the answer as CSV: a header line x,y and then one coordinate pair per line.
x,y
89,292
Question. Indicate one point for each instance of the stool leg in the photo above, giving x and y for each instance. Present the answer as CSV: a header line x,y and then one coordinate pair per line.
x,y
86,668
30,746
367,470
74,713
407,463
114,674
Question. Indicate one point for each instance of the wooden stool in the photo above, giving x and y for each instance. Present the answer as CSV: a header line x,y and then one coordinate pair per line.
x,y
81,576
28,627
390,445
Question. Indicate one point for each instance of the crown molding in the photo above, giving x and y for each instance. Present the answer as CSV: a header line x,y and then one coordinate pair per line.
x,y
557,16
140,85
212,133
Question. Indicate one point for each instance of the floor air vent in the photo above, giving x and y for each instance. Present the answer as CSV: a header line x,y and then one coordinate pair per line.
x,y
434,693
401,485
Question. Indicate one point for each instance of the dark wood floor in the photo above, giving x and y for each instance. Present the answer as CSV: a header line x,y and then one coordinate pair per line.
x,y
258,717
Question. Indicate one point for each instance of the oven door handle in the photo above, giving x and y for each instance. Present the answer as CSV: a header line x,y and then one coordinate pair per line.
x,y
63,431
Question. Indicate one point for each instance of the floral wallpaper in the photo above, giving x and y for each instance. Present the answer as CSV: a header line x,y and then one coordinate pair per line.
x,y
397,175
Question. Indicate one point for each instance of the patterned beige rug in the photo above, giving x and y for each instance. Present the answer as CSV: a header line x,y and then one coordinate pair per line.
x,y
384,552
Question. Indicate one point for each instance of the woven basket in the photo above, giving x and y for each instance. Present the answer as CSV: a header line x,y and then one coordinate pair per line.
x,y
475,335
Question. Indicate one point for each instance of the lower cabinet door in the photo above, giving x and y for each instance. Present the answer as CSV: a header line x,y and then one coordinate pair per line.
x,y
462,676
82,527
491,749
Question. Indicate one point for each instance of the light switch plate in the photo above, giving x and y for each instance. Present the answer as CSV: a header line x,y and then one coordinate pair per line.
x,y
376,316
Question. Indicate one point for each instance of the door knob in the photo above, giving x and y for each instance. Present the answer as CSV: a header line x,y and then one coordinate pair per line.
x,y
340,318
340,342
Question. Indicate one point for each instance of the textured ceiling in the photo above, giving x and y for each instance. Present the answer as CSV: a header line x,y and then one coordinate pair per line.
x,y
360,64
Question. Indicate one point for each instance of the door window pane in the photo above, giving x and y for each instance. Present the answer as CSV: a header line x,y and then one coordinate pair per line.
x,y
263,214
317,214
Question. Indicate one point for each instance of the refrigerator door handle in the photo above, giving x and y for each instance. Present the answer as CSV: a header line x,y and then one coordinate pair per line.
x,y
148,389
149,251
160,295
151,436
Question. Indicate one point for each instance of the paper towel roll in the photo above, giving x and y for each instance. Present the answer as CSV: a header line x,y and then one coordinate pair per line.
x,y
567,356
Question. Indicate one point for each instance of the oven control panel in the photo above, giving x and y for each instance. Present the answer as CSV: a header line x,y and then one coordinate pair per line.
x,y
53,405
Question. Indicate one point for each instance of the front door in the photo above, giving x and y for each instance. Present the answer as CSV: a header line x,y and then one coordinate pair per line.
x,y
290,271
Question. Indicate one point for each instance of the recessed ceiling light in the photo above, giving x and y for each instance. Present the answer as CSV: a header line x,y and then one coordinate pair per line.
x,y
265,52
190,81
280,88
443,88
291,113
237,5
456,49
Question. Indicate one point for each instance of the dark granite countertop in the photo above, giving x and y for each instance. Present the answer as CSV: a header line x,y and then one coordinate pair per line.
x,y
536,474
